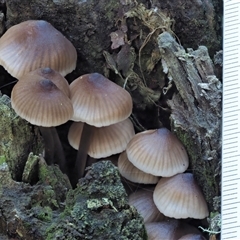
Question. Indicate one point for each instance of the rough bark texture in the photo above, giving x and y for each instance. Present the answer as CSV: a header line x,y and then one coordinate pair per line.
x,y
196,110
18,139
197,22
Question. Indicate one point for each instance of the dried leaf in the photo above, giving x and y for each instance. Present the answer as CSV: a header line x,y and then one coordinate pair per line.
x,y
110,61
125,59
117,39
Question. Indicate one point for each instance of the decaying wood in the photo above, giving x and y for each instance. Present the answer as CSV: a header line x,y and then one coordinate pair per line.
x,y
196,110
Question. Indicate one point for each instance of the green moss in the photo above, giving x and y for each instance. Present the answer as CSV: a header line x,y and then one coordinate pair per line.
x,y
2,159
43,213
98,209
17,138
203,170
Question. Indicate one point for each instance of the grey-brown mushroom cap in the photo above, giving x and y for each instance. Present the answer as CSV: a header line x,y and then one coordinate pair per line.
x,y
41,103
192,237
158,152
133,174
98,101
142,200
180,197
34,44
105,141
48,73
171,229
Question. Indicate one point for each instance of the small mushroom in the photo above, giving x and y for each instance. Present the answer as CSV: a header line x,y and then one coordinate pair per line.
x,y
133,174
171,229
98,102
180,197
42,103
142,200
157,152
34,44
192,236
105,141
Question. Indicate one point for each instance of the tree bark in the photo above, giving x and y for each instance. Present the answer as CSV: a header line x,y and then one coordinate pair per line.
x,y
196,111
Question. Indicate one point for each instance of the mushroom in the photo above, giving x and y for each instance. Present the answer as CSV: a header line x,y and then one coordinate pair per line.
x,y
33,44
98,102
142,200
157,152
105,141
171,229
192,236
180,197
41,102
133,174
54,76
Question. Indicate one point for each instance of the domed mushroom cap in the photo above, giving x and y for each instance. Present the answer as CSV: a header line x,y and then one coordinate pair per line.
x,y
142,200
41,102
105,141
168,229
33,44
48,73
192,237
158,152
98,101
133,174
180,197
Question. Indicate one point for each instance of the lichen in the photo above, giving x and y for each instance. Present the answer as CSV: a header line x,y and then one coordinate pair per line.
x,y
201,169
98,209
18,139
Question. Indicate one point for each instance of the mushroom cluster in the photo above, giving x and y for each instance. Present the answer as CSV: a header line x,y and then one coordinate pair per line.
x,y
158,157
39,56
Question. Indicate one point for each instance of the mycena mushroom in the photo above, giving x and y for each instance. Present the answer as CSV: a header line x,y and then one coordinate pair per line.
x,y
158,152
179,196
105,141
34,44
98,102
41,102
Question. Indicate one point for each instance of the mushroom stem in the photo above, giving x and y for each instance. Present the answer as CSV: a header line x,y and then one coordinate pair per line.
x,y
53,147
58,151
48,144
82,154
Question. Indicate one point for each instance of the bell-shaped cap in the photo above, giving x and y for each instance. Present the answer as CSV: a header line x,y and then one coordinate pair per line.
x,y
48,73
34,44
105,141
158,152
192,236
171,229
41,102
133,174
99,101
180,197
142,200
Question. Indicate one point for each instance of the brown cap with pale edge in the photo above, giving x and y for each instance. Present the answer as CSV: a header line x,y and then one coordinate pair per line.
x,y
105,141
133,174
158,152
170,229
98,101
41,102
180,197
48,73
192,237
33,44
142,200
